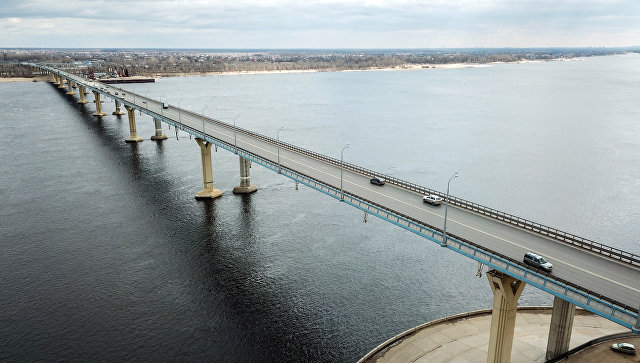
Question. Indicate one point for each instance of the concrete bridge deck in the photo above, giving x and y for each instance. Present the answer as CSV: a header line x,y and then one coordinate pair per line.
x,y
587,274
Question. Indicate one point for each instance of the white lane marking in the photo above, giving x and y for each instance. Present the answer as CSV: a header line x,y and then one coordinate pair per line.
x,y
451,220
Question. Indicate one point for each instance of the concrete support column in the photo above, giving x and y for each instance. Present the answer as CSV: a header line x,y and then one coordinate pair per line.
x,y
54,80
81,93
506,291
133,135
245,186
159,135
118,111
208,192
70,88
61,85
98,102
560,328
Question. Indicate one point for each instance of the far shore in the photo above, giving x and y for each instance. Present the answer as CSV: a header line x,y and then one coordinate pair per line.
x,y
406,67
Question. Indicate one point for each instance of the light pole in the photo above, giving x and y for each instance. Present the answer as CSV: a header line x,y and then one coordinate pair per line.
x,y
235,139
203,118
341,162
446,207
278,137
179,116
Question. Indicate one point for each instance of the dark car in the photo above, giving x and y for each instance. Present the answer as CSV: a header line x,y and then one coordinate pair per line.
x,y
537,261
377,180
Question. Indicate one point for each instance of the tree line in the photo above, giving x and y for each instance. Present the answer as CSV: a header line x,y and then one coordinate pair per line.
x,y
161,62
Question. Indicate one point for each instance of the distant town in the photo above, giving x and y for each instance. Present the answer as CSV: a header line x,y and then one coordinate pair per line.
x,y
111,63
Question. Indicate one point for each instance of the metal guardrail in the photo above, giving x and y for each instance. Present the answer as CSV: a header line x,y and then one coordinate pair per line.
x,y
432,232
556,234
598,303
602,305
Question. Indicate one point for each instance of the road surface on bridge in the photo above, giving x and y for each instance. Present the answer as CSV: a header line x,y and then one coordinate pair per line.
x,y
603,275
589,270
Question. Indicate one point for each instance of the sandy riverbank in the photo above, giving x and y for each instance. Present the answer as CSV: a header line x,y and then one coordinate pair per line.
x,y
405,67
398,68
21,79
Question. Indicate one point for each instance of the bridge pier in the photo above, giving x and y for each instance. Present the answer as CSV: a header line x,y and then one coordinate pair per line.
x,y
81,92
133,134
245,186
560,328
70,88
506,291
61,85
159,135
54,79
98,102
208,192
118,111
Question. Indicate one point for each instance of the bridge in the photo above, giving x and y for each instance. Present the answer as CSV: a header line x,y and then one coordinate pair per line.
x,y
602,279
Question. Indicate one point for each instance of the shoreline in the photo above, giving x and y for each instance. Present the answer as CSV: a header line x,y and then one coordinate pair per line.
x,y
405,67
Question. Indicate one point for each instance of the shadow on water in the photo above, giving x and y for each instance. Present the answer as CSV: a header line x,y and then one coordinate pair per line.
x,y
266,330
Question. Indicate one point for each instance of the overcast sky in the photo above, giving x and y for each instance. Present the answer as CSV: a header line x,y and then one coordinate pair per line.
x,y
318,24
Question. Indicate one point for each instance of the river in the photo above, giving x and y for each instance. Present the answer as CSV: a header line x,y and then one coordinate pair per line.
x,y
106,255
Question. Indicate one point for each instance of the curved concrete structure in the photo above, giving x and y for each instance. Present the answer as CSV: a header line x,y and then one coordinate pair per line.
x,y
465,338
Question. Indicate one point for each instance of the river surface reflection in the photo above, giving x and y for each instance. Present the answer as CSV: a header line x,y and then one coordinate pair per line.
x,y
108,256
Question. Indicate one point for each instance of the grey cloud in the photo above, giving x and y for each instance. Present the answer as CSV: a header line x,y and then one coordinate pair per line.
x,y
472,17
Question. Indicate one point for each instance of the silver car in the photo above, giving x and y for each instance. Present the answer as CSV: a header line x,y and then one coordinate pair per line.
x,y
432,199
624,348
538,261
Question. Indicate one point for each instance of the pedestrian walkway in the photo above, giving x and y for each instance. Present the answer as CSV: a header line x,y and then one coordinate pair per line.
x,y
465,338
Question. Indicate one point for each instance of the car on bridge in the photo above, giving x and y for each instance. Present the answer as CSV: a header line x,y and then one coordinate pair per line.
x,y
432,199
377,180
538,261
624,348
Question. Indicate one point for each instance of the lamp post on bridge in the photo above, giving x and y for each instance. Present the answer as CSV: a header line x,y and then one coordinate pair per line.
x,y
341,163
235,139
203,119
179,115
446,207
278,138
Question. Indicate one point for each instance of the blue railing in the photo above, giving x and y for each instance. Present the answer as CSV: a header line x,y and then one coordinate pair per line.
x,y
606,307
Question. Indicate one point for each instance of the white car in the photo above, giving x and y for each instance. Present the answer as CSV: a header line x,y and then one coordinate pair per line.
x,y
432,199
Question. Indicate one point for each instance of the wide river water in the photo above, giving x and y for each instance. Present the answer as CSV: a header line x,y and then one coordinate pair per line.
x,y
106,255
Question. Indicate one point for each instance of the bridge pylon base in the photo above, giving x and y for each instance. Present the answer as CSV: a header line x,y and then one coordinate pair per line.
x,y
208,194
98,103
208,191
81,90
560,328
506,292
133,134
245,186
159,135
118,111
133,139
70,86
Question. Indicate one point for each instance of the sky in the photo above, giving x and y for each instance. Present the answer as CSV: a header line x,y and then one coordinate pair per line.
x,y
269,24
